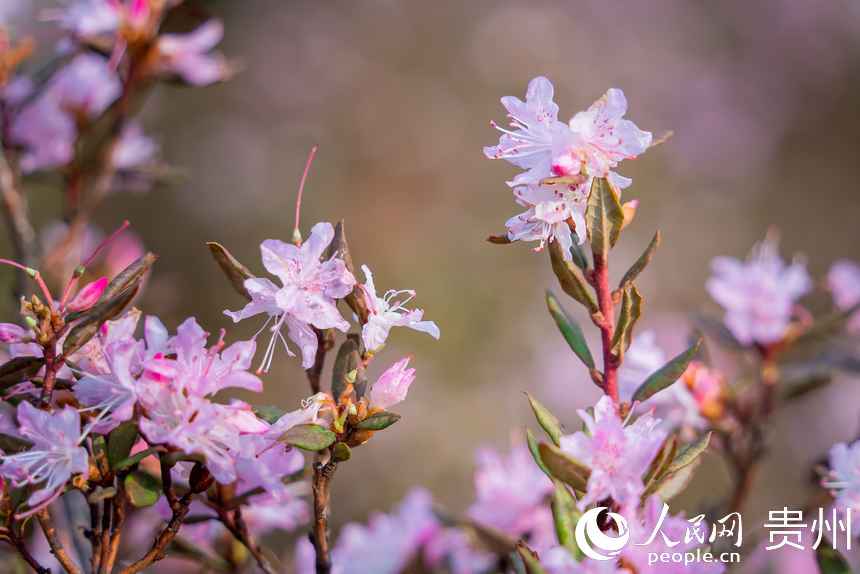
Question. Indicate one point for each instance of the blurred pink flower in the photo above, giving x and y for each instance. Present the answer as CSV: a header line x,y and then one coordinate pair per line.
x,y
558,560
758,294
55,456
392,386
308,296
189,56
511,495
843,280
11,333
844,476
617,455
386,312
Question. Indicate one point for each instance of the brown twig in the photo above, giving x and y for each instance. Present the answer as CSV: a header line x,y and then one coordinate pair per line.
x,y
57,549
323,474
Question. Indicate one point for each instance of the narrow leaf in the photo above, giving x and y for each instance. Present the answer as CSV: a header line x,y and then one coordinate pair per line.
x,y
532,443
19,369
142,488
378,421
603,216
564,514
571,278
690,453
631,310
347,361
120,442
564,467
309,437
640,264
570,330
236,272
94,318
667,374
547,421
129,277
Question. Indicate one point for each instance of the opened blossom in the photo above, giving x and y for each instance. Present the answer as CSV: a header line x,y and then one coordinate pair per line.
x,y
844,476
388,311
308,294
56,454
843,280
190,56
617,455
758,294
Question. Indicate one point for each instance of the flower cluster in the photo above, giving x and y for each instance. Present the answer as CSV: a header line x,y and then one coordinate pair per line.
x,y
560,160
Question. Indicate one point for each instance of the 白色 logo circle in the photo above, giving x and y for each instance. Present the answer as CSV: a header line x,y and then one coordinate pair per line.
x,y
591,540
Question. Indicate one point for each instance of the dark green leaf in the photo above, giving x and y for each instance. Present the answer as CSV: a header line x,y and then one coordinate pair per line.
x,y
640,263
547,421
570,330
142,488
564,514
578,256
134,459
120,441
269,413
19,370
378,421
603,216
236,272
631,310
13,444
830,561
308,437
346,366
667,374
564,467
571,278
690,453
341,452
94,318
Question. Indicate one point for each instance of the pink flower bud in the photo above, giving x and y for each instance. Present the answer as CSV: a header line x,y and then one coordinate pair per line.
x,y
392,386
11,333
89,295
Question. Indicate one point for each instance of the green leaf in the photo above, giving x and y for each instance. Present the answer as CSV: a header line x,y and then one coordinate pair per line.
x,y
535,450
570,330
308,437
95,317
129,277
547,421
378,421
19,370
269,413
142,488
690,453
641,263
631,310
660,464
571,278
564,467
134,459
603,217
13,444
236,272
578,256
673,483
120,441
529,558
346,365
565,515
341,452
667,374
830,561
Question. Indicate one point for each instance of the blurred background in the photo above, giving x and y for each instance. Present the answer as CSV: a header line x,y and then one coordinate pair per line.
x,y
398,95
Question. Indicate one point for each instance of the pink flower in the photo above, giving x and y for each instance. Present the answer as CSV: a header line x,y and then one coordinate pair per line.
x,y
844,476
511,496
451,550
11,333
88,295
133,149
89,18
188,55
113,395
55,456
387,312
758,294
558,560
308,296
617,455
46,128
843,280
551,209
392,386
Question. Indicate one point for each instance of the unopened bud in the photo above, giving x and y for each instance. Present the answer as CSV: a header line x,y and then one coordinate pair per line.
x,y
629,209
89,295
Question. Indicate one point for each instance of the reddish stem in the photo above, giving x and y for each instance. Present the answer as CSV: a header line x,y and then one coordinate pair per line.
x,y
606,325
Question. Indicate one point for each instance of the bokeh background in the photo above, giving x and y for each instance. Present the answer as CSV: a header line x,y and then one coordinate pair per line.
x,y
762,96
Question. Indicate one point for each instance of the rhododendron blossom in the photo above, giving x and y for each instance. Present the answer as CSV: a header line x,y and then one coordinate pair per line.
x,y
308,296
190,56
844,476
55,456
617,455
758,294
386,312
392,386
